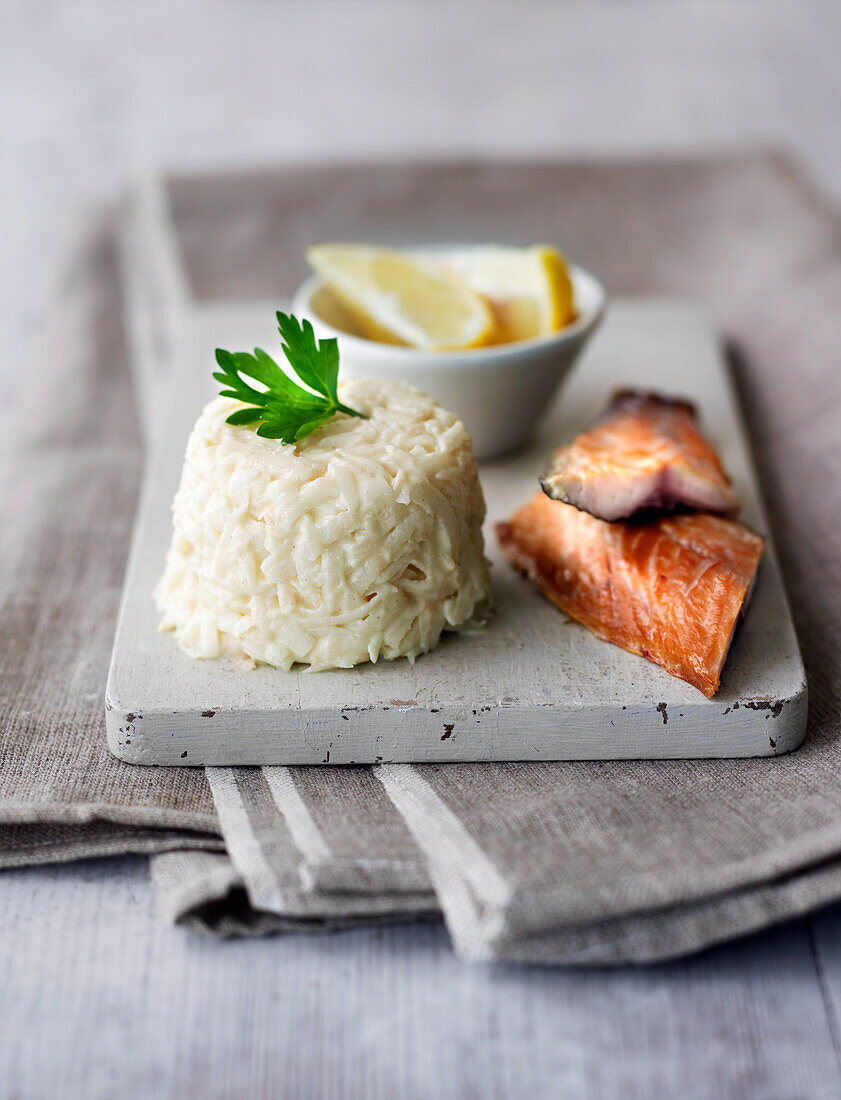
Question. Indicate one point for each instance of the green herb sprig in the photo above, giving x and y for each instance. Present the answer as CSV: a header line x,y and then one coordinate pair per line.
x,y
285,410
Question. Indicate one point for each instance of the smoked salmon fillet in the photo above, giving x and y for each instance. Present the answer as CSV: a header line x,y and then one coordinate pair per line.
x,y
646,454
670,590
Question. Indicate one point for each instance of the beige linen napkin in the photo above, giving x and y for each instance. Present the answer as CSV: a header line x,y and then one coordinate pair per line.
x,y
68,490
580,862
602,861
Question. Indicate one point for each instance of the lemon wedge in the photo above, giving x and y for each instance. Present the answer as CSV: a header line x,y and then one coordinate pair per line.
x,y
528,289
398,299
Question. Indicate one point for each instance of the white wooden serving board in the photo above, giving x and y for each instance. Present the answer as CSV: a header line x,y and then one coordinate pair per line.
x,y
533,685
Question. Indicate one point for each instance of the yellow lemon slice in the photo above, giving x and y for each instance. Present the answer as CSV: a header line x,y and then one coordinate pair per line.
x,y
401,300
528,289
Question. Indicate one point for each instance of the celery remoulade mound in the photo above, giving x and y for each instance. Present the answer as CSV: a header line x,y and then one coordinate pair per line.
x,y
361,541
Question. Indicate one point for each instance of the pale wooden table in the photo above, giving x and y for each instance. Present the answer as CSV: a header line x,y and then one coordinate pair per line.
x,y
98,997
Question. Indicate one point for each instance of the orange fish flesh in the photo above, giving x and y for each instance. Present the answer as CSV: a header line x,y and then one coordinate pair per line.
x,y
646,454
671,590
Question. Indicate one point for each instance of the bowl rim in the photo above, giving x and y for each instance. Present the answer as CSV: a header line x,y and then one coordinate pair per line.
x,y
584,323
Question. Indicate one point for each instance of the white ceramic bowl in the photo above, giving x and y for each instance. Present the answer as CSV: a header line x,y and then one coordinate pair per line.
x,y
500,392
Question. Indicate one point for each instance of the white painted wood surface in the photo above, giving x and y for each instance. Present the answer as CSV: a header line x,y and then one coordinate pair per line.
x,y
98,996
532,685
100,1000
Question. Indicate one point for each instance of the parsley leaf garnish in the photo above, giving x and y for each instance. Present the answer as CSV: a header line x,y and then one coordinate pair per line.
x,y
285,410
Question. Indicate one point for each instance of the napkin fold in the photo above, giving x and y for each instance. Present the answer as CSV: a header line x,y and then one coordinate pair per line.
x,y
593,867
310,848
589,862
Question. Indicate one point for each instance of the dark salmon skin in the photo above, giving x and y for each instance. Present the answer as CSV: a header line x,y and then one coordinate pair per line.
x,y
670,590
647,454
